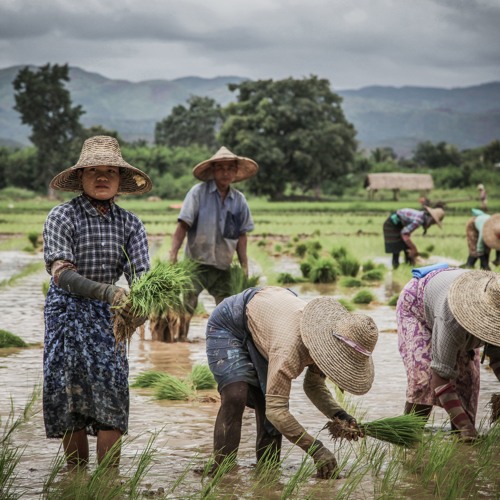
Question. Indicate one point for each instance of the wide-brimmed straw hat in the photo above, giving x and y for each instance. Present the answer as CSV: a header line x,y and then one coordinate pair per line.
x,y
103,150
437,214
474,300
246,167
491,232
340,343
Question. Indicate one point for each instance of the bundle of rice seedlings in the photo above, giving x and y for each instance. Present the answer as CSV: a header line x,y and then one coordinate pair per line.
x,y
373,275
8,339
495,408
347,304
349,266
148,378
238,281
156,292
202,378
285,278
323,270
403,430
364,297
173,388
349,282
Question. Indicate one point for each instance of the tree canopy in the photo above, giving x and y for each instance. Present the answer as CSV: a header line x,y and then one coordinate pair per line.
x,y
296,131
45,105
194,125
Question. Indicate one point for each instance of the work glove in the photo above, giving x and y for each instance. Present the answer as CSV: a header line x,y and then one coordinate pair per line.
x,y
353,432
325,461
449,400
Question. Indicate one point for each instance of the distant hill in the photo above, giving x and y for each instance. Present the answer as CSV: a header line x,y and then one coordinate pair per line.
x,y
383,116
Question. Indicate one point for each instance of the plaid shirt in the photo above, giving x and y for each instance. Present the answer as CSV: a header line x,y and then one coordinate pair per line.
x,y
411,219
102,247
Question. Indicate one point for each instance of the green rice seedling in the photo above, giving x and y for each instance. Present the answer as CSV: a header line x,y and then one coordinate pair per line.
x,y
305,268
155,293
262,243
393,300
148,378
300,250
339,252
8,339
286,278
33,238
202,378
213,475
429,248
238,281
350,282
424,255
173,388
368,265
301,476
373,275
323,270
278,248
402,430
347,304
349,266
364,297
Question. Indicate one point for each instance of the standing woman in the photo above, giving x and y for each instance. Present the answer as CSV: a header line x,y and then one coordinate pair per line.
x,y
89,242
399,226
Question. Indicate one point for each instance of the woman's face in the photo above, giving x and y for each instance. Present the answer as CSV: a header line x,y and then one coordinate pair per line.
x,y
101,183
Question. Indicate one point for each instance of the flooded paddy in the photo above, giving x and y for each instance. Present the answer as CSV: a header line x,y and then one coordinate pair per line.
x,y
184,429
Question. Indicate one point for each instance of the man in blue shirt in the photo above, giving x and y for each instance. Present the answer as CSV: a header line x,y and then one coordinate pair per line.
x,y
216,219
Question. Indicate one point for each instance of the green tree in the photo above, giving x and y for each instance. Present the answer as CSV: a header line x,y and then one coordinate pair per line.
x,y
491,153
428,154
45,105
195,125
295,130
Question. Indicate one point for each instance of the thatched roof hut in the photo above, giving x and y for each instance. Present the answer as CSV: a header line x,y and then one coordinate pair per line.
x,y
398,182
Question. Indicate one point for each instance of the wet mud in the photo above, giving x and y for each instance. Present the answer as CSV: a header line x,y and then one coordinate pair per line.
x,y
184,429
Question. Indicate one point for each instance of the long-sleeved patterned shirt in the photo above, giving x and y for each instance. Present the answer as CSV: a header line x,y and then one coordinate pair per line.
x,y
102,247
411,219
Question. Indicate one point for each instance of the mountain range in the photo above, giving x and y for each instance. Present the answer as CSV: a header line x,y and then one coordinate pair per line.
x,y
384,116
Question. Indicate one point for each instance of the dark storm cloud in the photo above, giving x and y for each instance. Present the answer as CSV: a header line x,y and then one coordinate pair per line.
x,y
392,42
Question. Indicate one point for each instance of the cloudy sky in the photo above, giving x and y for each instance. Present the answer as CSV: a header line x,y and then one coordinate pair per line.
x,y
353,43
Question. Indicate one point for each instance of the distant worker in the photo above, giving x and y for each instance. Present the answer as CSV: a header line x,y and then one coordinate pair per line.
x,y
482,197
399,226
478,249
216,219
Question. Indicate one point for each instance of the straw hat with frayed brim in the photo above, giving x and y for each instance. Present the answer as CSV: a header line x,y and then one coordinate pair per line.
x,y
491,232
474,300
340,343
102,150
437,214
246,167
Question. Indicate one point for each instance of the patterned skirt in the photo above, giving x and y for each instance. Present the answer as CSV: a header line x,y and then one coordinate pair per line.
x,y
392,237
415,347
85,377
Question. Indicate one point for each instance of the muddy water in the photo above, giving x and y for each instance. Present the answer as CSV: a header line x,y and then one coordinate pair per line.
x,y
184,429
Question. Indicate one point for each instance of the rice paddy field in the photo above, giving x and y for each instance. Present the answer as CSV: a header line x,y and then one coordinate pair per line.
x,y
170,440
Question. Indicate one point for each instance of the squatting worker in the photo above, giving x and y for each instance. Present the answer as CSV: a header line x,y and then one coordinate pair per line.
x,y
216,218
483,235
89,243
443,317
399,227
260,340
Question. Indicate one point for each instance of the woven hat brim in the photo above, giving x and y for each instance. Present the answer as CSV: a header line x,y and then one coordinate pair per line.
x,y
473,307
246,168
433,213
491,232
351,370
132,179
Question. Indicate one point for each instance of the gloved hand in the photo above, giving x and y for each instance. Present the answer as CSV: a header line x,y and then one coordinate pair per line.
x,y
325,461
122,308
352,426
449,400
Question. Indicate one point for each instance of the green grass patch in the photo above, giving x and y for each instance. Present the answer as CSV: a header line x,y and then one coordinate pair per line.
x,y
8,339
